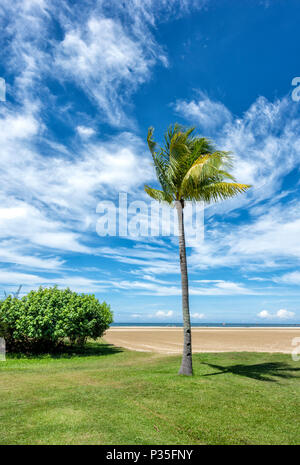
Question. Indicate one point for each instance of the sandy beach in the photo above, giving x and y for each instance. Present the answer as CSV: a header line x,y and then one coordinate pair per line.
x,y
168,340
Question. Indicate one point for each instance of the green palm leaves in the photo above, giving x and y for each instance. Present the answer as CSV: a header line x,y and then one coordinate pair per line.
x,y
189,168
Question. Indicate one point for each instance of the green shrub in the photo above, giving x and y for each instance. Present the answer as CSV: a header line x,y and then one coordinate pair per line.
x,y
43,320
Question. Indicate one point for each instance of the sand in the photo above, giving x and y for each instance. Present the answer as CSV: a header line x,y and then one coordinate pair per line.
x,y
168,340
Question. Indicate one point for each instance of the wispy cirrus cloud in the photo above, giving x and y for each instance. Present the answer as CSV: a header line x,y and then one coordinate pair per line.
x,y
106,62
10,279
266,134
291,278
45,197
207,114
171,288
105,48
267,241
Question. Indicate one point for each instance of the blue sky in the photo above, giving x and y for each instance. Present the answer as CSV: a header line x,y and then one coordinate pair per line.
x,y
84,81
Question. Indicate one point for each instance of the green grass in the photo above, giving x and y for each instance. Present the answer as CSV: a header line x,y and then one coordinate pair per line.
x,y
108,395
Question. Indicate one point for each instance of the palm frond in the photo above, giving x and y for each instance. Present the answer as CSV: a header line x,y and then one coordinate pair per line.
x,y
179,154
221,191
151,143
159,162
205,167
156,194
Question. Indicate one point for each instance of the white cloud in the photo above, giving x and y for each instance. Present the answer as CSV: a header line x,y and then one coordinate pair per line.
x,y
169,288
17,127
206,113
289,278
285,314
280,314
260,140
15,253
267,240
10,279
107,62
264,314
162,314
106,50
222,288
197,316
85,131
147,288
26,23
109,55
152,260
24,225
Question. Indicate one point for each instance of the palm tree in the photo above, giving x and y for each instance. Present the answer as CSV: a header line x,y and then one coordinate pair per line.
x,y
189,168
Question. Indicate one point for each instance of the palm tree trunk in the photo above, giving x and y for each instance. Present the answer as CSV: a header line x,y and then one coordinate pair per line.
x,y
186,365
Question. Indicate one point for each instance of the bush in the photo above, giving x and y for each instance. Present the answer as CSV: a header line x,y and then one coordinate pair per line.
x,y
45,319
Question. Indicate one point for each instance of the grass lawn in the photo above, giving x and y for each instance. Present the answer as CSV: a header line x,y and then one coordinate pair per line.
x,y
108,395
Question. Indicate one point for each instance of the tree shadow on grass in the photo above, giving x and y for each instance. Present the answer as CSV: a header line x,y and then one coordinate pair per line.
x,y
90,349
260,371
